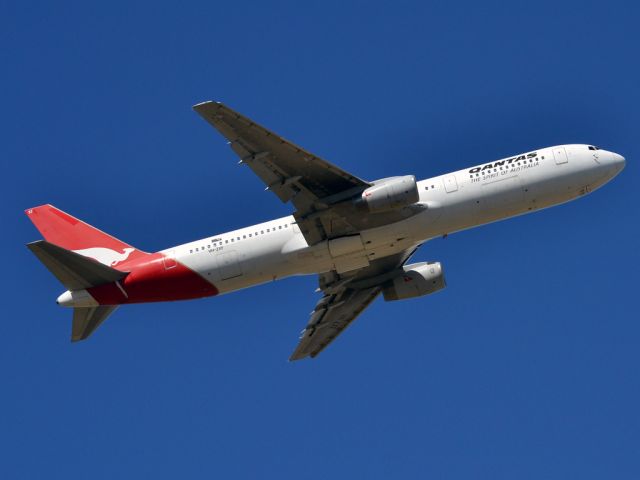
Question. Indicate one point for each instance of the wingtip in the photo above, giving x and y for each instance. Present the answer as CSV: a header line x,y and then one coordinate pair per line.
x,y
299,355
34,244
201,105
31,210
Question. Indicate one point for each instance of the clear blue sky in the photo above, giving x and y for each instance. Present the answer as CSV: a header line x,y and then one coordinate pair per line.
x,y
525,367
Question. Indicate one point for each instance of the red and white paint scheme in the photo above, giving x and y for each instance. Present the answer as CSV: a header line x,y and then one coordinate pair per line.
x,y
356,235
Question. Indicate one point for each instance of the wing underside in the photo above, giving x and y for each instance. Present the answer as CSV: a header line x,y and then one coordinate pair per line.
x,y
345,297
331,316
321,192
289,171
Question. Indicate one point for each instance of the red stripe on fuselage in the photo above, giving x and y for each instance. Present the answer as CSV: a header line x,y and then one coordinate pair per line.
x,y
150,281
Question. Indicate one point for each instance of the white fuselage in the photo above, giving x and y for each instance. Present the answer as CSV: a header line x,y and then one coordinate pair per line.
x,y
454,202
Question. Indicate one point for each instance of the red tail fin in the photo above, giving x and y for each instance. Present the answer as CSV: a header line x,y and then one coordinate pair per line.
x,y
70,233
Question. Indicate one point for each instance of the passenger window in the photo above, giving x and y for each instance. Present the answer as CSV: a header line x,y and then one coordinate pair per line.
x,y
244,236
280,227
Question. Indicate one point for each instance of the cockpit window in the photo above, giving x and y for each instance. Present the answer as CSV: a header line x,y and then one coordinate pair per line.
x,y
591,147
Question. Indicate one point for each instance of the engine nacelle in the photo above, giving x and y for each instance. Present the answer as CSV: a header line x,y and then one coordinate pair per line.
x,y
417,279
390,193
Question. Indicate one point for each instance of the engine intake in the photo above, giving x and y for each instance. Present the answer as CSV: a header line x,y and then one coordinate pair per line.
x,y
416,280
390,193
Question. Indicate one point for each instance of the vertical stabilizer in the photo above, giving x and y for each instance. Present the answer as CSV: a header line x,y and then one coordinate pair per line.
x,y
68,232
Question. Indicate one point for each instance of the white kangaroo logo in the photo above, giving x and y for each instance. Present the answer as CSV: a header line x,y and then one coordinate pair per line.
x,y
106,255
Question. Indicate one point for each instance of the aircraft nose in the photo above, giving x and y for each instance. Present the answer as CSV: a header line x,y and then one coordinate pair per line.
x,y
618,160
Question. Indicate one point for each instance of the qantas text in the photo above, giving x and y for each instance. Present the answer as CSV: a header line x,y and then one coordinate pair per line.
x,y
508,161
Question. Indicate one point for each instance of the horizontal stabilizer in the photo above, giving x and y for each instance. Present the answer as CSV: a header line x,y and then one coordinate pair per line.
x,y
86,320
74,271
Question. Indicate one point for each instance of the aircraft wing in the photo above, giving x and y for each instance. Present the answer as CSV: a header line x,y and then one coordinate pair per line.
x,y
345,297
292,173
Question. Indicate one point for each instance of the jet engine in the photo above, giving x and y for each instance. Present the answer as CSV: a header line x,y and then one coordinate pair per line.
x,y
390,193
414,281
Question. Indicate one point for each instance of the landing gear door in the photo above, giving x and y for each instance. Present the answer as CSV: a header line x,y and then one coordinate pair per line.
x,y
560,154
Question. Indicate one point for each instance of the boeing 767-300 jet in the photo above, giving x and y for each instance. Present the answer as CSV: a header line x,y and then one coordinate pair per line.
x,y
356,235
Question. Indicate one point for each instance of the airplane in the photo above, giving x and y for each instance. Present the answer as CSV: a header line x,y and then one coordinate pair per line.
x,y
356,235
